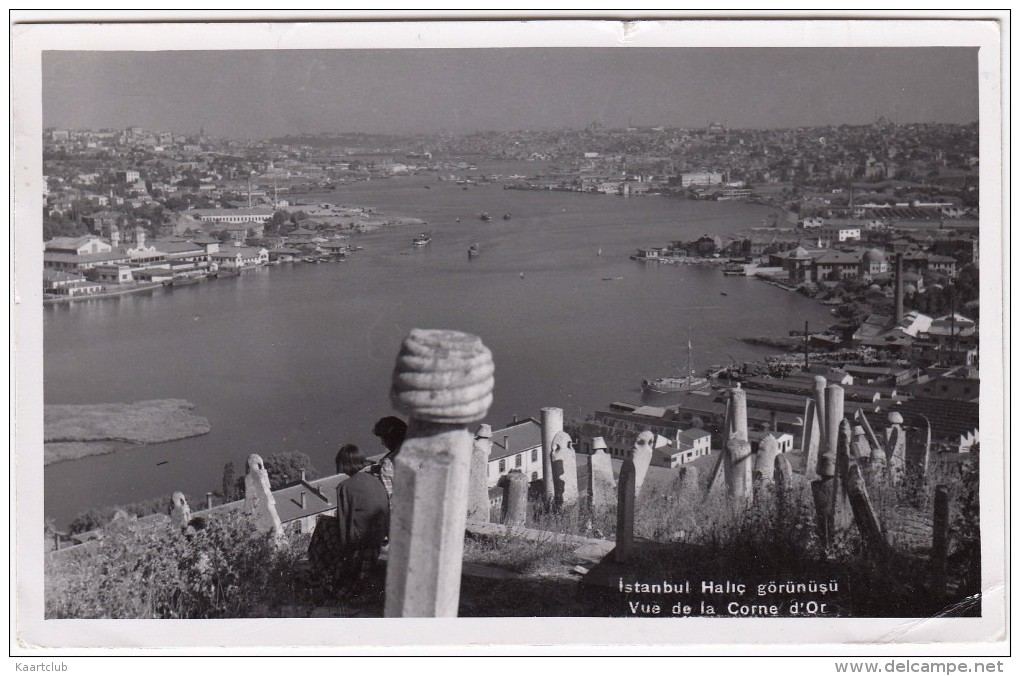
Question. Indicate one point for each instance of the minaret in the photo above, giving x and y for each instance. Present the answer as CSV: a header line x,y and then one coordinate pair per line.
x,y
899,288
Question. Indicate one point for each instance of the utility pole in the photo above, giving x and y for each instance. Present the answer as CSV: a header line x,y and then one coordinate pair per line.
x,y
807,358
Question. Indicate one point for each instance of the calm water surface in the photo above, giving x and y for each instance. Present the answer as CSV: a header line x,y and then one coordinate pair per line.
x,y
299,357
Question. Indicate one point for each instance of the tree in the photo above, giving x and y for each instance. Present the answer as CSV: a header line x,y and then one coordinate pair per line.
x,y
229,484
285,468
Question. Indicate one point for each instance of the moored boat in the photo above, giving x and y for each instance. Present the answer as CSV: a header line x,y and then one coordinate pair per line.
x,y
473,251
679,383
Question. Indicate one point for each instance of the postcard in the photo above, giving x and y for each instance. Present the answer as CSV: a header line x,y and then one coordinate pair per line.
x,y
675,332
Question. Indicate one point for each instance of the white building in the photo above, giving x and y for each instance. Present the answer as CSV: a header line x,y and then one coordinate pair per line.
x,y
253,215
517,446
695,178
237,257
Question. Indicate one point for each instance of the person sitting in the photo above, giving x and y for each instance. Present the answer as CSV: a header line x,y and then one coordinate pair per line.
x,y
344,550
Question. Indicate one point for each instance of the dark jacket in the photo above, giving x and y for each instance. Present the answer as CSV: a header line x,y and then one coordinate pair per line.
x,y
363,512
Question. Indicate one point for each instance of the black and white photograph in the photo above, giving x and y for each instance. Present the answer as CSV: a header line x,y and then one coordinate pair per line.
x,y
670,322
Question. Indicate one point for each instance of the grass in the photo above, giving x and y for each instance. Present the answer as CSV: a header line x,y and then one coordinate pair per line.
x,y
72,432
143,422
227,569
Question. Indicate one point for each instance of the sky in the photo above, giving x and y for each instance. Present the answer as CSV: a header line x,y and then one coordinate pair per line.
x,y
258,94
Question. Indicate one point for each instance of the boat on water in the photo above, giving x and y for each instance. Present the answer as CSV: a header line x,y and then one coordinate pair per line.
x,y
679,383
182,281
506,216
734,270
422,239
485,216
473,251
223,274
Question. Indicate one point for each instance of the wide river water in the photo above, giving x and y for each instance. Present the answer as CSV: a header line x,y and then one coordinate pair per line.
x,y
299,357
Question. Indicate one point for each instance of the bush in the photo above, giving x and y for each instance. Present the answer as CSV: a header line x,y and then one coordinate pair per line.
x,y
97,517
224,570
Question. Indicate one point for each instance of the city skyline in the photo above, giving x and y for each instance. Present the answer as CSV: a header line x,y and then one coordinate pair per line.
x,y
260,94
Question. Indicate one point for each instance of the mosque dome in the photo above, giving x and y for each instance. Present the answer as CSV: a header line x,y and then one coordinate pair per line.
x,y
874,256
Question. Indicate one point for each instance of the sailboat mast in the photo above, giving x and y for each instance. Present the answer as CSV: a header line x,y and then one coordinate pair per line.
x,y
690,356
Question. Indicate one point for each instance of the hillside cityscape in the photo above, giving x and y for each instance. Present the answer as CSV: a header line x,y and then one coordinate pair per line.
x,y
876,223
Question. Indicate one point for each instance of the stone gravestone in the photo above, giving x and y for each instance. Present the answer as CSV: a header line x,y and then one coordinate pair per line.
x,y
810,439
642,457
601,483
478,495
442,381
738,470
515,499
180,513
625,513
564,466
258,497
896,436
687,483
765,459
552,422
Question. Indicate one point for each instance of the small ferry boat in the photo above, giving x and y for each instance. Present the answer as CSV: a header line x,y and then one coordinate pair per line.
x,y
485,216
422,239
678,383
734,269
473,251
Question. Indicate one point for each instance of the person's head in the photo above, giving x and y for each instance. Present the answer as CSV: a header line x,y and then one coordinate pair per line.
x,y
349,460
391,431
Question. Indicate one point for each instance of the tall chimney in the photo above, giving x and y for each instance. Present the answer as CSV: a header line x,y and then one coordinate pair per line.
x,y
899,288
208,500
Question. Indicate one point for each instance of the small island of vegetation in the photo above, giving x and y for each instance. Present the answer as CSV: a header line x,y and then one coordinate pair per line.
x,y
77,431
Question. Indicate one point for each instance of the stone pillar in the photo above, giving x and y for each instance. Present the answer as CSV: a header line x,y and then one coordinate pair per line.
x,y
515,499
896,456
810,439
737,411
641,455
687,482
737,470
918,449
765,460
258,497
873,441
783,472
552,422
842,510
819,396
860,449
564,467
478,494
208,500
625,512
442,381
940,540
601,483
833,418
180,513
